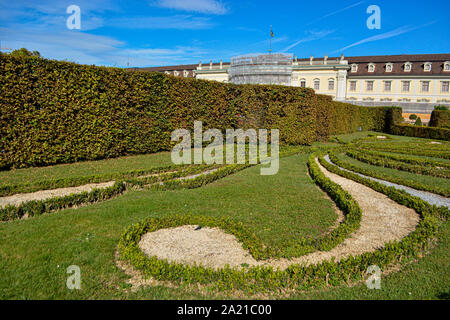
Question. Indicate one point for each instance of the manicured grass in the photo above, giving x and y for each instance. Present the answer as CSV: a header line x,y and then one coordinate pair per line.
x,y
276,208
35,253
86,168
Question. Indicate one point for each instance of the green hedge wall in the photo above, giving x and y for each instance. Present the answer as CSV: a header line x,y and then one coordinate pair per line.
x,y
440,118
421,132
338,118
59,112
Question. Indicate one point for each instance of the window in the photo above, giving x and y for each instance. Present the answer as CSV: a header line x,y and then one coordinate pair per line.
x,y
369,85
185,73
405,86
176,73
354,68
444,86
447,66
389,67
352,85
331,84
317,84
427,67
407,66
387,85
425,86
303,83
371,67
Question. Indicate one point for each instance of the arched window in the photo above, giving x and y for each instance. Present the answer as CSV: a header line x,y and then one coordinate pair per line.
x,y
316,84
303,83
371,67
389,67
447,66
427,67
330,84
407,67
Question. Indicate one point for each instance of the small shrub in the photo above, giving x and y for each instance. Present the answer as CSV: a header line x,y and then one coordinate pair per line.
x,y
413,117
418,121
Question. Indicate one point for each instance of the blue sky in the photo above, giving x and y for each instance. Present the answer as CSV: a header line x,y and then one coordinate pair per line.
x,y
166,32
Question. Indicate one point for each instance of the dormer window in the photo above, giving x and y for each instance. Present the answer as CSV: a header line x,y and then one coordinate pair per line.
x,y
407,67
176,73
371,67
185,73
427,67
447,66
354,68
389,67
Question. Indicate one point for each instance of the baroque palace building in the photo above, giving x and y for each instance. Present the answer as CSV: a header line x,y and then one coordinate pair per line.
x,y
414,82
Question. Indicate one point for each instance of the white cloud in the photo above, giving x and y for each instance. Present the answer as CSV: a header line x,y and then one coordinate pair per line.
x,y
337,11
180,22
313,35
202,6
387,35
86,48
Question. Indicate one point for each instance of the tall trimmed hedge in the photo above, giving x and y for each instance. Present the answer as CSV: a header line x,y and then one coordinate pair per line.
x,y
338,118
59,112
440,118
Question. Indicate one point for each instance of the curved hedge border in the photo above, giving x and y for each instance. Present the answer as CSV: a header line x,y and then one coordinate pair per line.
x,y
378,175
399,196
35,208
406,158
265,278
409,150
398,165
168,182
11,189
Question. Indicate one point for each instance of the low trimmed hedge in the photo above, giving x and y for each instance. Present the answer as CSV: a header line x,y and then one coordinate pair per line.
x,y
398,165
35,208
408,149
259,278
405,158
378,175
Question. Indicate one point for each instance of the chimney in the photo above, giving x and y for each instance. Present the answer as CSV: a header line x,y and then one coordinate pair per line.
x,y
311,58
325,59
200,66
342,57
221,64
210,64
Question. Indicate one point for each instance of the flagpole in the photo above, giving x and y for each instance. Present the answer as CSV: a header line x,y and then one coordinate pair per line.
x,y
270,48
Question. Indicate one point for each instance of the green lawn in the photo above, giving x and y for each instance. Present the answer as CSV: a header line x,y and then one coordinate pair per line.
x,y
35,253
276,208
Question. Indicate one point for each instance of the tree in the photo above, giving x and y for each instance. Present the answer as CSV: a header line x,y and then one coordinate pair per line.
x,y
25,53
418,121
441,108
412,117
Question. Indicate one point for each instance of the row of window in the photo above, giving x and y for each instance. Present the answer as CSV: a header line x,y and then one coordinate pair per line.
x,y
316,84
407,67
399,100
406,86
